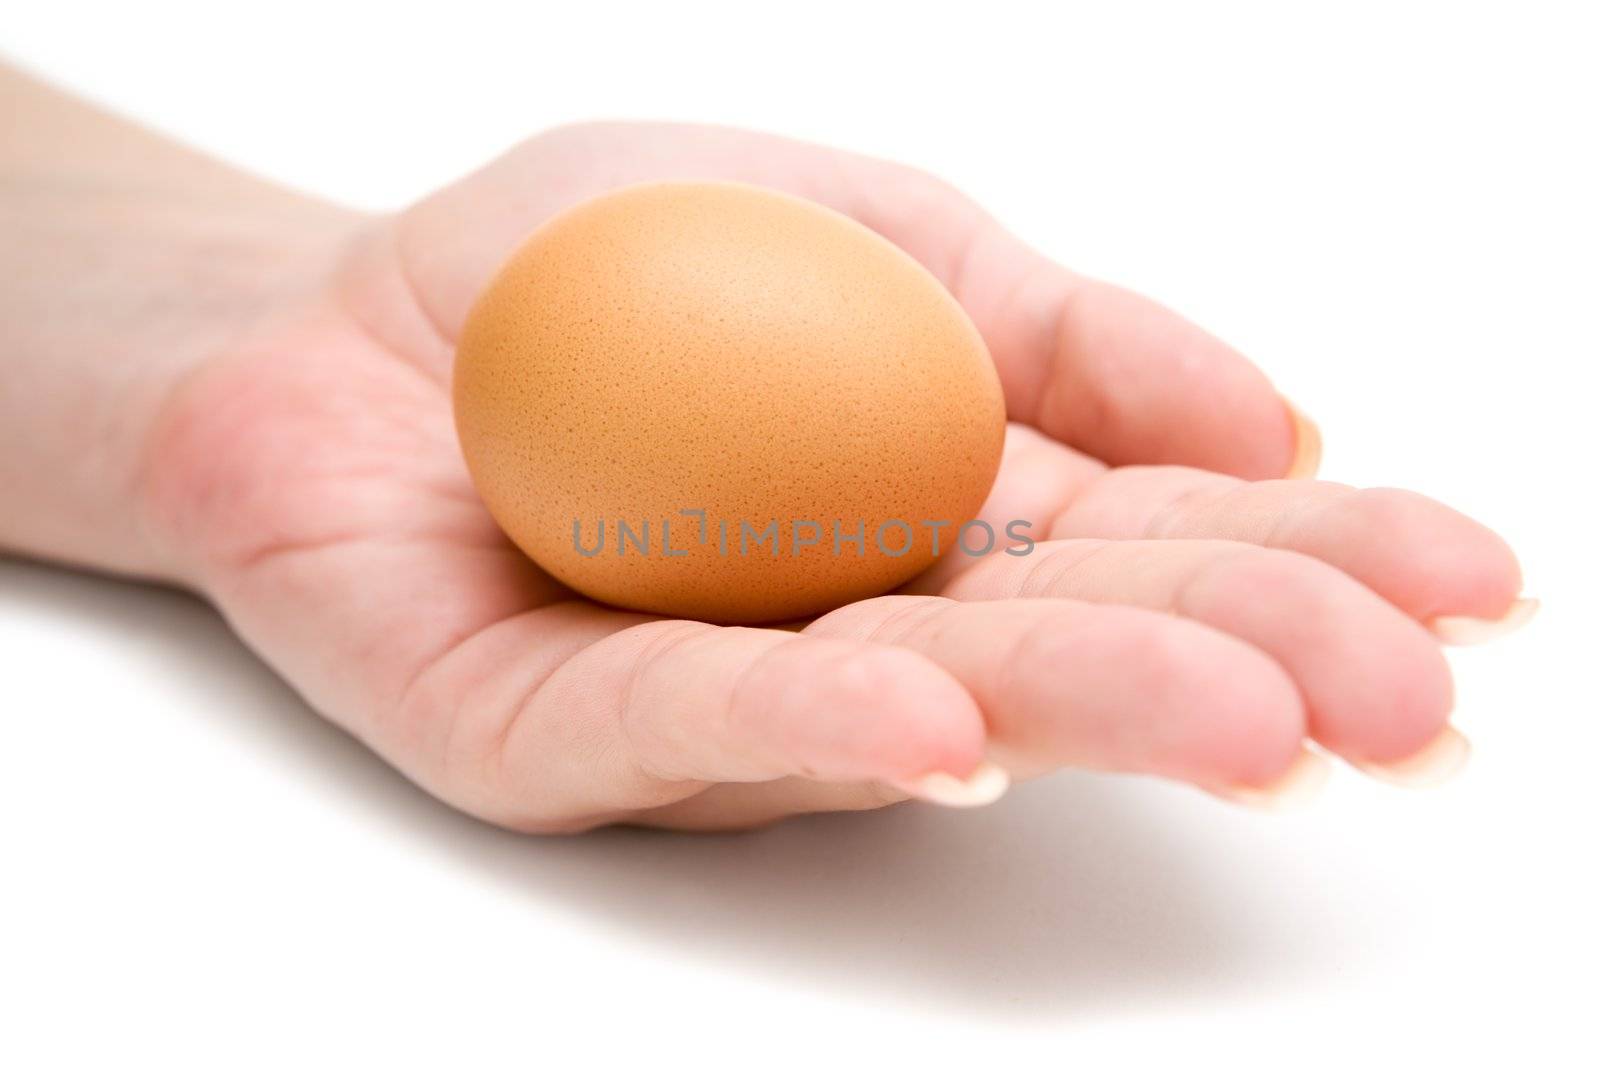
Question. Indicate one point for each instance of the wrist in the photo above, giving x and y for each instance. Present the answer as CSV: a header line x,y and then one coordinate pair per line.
x,y
199,407
175,287
129,262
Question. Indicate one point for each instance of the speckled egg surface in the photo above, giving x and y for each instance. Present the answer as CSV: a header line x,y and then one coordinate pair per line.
x,y
715,401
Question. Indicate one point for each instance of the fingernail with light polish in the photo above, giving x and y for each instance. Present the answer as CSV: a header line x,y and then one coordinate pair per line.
x,y
1471,630
1439,762
1296,789
1307,444
985,785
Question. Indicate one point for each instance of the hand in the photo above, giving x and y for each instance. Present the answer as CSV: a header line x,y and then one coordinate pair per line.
x,y
1181,621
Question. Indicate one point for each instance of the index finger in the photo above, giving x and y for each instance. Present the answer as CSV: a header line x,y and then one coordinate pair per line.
x,y
1095,366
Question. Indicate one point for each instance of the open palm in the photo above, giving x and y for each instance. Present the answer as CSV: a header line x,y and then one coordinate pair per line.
x,y
1181,620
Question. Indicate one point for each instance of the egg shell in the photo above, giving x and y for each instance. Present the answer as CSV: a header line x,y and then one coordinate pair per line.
x,y
715,348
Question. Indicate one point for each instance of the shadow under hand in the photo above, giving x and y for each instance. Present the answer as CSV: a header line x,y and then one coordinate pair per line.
x,y
1076,893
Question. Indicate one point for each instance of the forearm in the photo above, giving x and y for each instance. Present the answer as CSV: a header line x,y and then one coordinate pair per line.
x,y
125,260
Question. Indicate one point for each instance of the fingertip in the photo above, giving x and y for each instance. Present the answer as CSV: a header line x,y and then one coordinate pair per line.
x,y
882,713
986,784
1423,556
1474,630
1412,698
1296,788
1134,382
1307,456
1435,763
1243,721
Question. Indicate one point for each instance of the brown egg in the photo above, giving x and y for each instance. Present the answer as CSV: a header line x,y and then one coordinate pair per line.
x,y
719,402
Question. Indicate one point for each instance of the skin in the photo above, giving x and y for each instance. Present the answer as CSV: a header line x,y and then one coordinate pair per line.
x,y
217,383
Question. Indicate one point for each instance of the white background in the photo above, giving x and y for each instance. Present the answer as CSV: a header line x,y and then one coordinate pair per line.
x,y
1393,209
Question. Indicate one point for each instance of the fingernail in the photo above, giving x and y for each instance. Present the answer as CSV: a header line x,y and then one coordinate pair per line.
x,y
985,785
1307,444
1471,630
1296,789
1440,761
